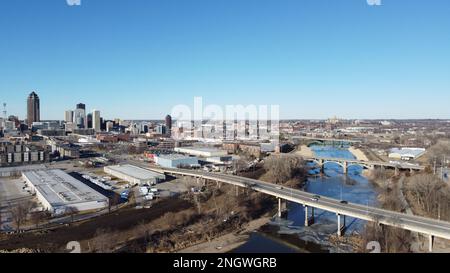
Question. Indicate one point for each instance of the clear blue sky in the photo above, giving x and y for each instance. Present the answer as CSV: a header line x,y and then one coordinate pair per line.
x,y
315,58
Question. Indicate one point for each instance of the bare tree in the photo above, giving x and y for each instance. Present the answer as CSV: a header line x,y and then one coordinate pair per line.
x,y
431,194
104,241
38,217
72,211
284,167
20,213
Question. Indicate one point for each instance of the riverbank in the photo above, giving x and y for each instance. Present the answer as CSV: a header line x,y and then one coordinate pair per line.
x,y
305,151
358,153
230,241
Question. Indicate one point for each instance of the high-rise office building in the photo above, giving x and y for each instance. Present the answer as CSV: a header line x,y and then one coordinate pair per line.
x,y
33,109
81,106
89,121
96,122
168,125
161,129
68,116
80,116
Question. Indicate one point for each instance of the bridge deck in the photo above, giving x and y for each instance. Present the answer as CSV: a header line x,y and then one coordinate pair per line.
x,y
419,224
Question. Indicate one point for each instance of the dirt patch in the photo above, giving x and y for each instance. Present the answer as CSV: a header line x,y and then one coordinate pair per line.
x,y
56,240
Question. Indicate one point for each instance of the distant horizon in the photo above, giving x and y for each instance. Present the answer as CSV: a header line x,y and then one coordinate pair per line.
x,y
285,119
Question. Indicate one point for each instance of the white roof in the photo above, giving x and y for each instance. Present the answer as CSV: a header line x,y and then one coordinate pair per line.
x,y
59,188
410,152
136,172
174,156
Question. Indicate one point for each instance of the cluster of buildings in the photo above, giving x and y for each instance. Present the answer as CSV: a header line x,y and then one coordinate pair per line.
x,y
13,154
79,119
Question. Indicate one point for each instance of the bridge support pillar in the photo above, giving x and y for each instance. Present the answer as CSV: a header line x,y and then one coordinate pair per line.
x,y
309,220
322,166
430,243
341,228
279,208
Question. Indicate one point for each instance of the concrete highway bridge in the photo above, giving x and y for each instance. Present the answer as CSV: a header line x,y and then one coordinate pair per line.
x,y
346,163
430,227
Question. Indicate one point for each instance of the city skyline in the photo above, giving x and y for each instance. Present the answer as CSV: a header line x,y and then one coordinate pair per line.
x,y
138,60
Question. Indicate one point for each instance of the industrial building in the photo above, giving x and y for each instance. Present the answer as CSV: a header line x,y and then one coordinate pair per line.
x,y
220,160
18,170
176,161
406,153
135,175
19,154
60,193
201,151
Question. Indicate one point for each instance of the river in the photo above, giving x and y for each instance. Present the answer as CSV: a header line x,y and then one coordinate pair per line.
x,y
289,235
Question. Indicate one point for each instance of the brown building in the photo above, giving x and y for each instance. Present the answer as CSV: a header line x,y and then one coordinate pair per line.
x,y
250,148
169,125
33,109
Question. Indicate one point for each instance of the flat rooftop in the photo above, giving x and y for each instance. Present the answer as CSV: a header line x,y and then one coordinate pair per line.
x,y
22,168
136,172
174,156
413,152
60,189
201,149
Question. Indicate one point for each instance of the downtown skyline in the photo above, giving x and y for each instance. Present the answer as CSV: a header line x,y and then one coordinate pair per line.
x,y
138,60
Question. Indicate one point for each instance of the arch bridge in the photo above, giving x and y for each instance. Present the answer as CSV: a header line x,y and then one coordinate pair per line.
x,y
346,163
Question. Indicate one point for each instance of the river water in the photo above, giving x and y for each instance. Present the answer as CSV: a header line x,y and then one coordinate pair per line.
x,y
289,235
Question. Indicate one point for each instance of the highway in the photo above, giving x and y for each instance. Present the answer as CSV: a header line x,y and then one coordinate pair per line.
x,y
413,223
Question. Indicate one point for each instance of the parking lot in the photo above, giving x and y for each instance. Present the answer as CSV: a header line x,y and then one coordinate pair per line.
x,y
11,192
176,186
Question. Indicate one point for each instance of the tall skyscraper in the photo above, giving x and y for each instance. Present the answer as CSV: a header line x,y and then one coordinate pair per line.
x,y
68,116
96,122
89,121
33,109
80,116
169,125
81,106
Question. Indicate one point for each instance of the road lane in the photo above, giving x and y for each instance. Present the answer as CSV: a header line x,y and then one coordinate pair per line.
x,y
409,222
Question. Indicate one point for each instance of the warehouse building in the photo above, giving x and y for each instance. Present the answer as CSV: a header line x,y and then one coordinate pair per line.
x,y
135,175
176,161
60,193
201,151
406,154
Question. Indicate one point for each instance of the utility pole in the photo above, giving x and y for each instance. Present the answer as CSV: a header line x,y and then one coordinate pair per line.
x,y
434,168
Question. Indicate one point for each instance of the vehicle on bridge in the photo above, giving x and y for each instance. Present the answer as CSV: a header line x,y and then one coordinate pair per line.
x,y
315,198
250,185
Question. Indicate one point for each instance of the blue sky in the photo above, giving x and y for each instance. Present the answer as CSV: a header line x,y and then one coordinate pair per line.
x,y
315,58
